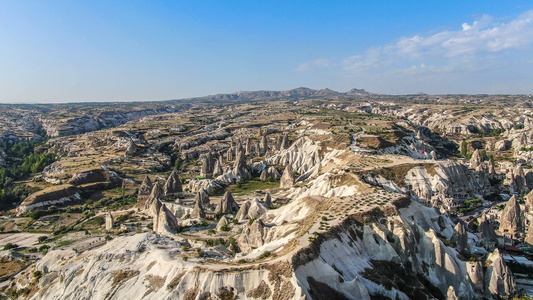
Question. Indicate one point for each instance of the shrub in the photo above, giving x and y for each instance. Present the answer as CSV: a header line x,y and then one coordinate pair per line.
x,y
224,227
265,255
10,246
37,275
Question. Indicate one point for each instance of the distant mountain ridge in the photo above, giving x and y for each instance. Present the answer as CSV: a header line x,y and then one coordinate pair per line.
x,y
297,93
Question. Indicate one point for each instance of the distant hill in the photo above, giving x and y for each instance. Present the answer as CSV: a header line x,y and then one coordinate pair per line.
x,y
297,93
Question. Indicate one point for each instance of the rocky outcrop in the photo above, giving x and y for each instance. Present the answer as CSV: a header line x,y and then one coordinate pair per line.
x,y
96,176
502,145
198,211
240,168
529,235
267,200
486,229
263,145
252,236
511,220
443,184
164,220
287,179
217,169
208,165
529,200
303,156
202,197
109,221
451,295
476,159
285,143
242,214
155,195
145,189
269,174
460,237
54,195
132,149
173,186
221,223
251,209
227,205
373,242
498,278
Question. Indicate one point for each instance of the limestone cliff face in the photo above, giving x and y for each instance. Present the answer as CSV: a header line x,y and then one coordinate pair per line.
x,y
145,266
351,256
436,184
395,251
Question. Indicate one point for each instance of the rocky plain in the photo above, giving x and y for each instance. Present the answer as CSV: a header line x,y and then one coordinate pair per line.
x,y
300,194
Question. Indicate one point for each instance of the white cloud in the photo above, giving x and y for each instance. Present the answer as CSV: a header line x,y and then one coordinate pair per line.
x,y
315,64
470,47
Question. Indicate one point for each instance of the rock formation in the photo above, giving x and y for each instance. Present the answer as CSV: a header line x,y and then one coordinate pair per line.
x,y
198,211
450,295
217,169
285,143
164,220
498,278
252,236
511,220
145,189
240,168
287,179
529,235
229,154
476,159
486,229
267,201
155,195
208,165
227,205
460,237
251,209
173,186
433,154
263,145
242,214
131,150
221,223
109,221
202,197
529,200
271,173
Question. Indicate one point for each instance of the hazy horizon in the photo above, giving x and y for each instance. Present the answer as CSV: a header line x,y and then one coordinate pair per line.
x,y
127,51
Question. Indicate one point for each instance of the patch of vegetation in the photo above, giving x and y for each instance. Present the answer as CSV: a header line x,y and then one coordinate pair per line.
x,y
249,187
123,275
265,255
215,242
10,246
23,160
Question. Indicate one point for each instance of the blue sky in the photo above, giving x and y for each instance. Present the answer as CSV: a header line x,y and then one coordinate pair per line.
x,y
72,51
